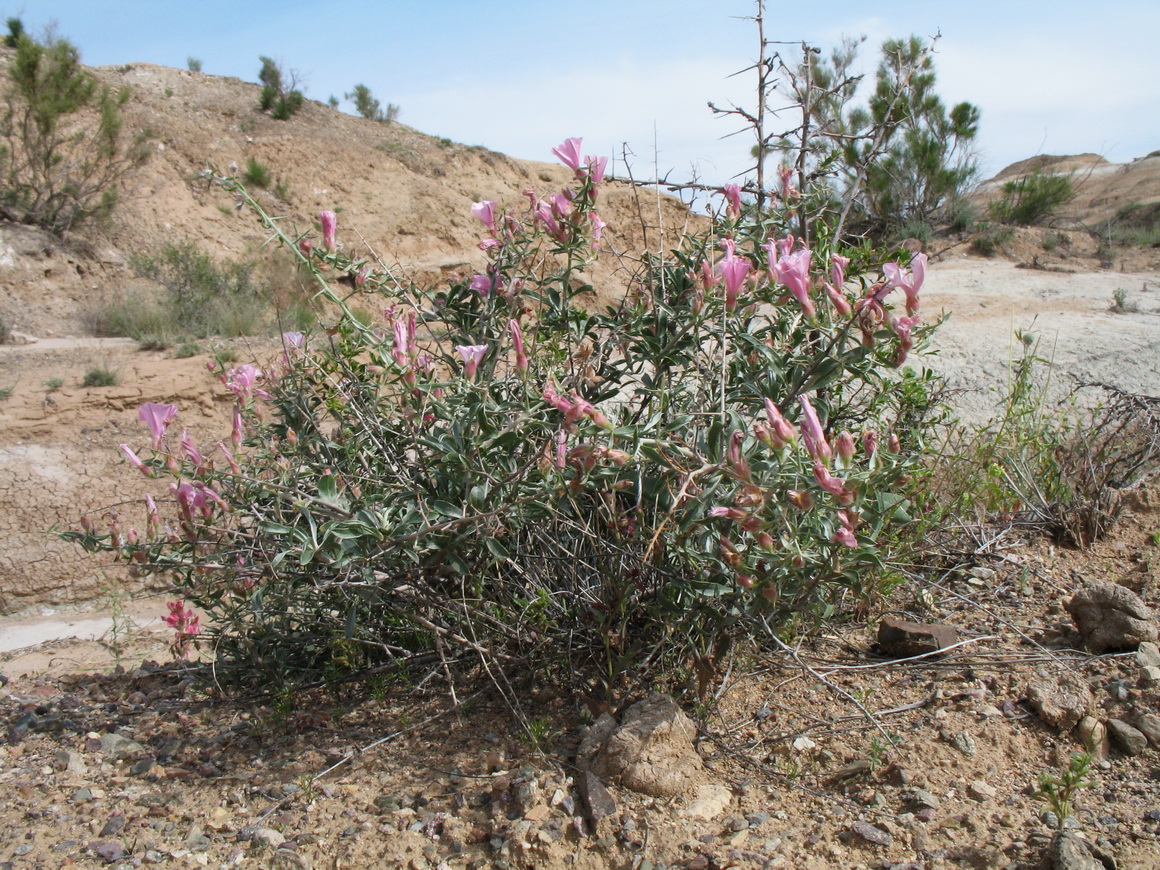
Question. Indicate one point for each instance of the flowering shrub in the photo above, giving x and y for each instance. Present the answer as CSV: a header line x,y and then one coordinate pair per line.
x,y
488,466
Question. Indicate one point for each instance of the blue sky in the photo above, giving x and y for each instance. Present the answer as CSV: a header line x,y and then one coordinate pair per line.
x,y
519,76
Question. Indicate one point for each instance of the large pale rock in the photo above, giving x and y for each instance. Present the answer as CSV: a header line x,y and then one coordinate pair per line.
x,y
651,751
1110,616
1061,701
1070,851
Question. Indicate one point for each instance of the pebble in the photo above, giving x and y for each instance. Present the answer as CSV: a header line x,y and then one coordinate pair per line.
x,y
1119,690
981,791
871,834
1148,654
964,743
1127,738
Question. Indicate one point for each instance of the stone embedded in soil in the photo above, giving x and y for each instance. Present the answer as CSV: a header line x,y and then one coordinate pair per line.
x,y
1149,726
119,746
1093,734
871,833
1070,851
1129,740
981,791
1061,701
1110,617
597,801
898,638
652,751
708,801
1150,677
1148,654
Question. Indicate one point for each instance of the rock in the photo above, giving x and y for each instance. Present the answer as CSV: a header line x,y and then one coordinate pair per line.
x,y
923,798
1094,735
266,838
1149,726
1150,676
70,762
981,791
652,751
709,801
113,826
1148,655
119,746
1061,702
594,740
1110,616
898,638
109,851
1069,851
597,801
871,834
964,743
1127,738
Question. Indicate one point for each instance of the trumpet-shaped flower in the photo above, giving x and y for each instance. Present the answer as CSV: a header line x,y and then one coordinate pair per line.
x,y
135,461
781,430
909,285
812,434
736,460
156,417
733,198
793,270
329,222
596,167
471,354
734,270
485,211
832,485
568,153
518,342
838,266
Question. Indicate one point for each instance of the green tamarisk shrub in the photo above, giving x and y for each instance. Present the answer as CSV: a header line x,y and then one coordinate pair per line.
x,y
63,149
488,466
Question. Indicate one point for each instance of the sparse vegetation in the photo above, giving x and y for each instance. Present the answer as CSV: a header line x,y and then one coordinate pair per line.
x,y
370,108
1137,225
193,64
186,350
53,384
1121,304
991,240
99,377
64,152
257,174
281,94
1032,199
5,331
5,392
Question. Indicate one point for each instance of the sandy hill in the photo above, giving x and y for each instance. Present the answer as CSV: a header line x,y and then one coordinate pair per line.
x,y
400,193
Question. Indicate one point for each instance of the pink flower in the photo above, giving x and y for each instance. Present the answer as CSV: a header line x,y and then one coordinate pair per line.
x,y
838,266
238,429
481,284
837,299
734,270
870,441
152,516
242,379
568,152
788,191
190,451
845,534
561,446
727,513
518,342
902,327
561,204
485,211
782,430
293,339
812,433
793,270
733,197
596,167
157,418
832,485
893,444
542,214
910,286
185,623
329,221
135,461
736,460
844,445
471,354
598,226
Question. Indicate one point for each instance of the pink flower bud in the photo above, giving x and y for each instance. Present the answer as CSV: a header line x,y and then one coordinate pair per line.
x,y
800,499
870,441
812,433
844,444
329,222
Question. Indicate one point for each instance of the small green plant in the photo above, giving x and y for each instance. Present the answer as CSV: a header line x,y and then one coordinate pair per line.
x,y
1137,225
1154,539
5,392
99,377
370,108
1059,791
962,215
1121,304
990,241
121,625
1032,198
154,342
224,356
539,735
53,384
879,752
332,101
257,174
282,190
186,349
1051,241
168,93
193,64
280,97
5,332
